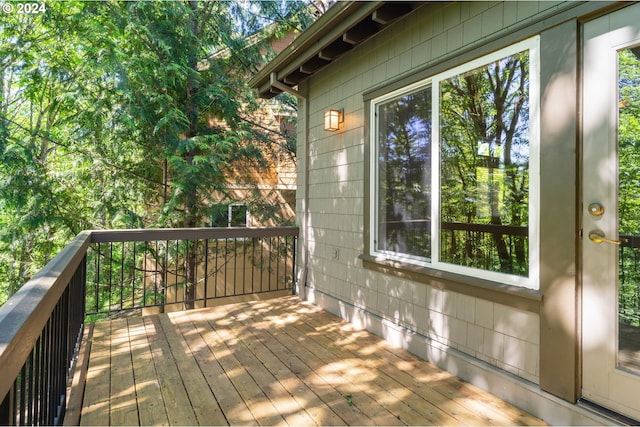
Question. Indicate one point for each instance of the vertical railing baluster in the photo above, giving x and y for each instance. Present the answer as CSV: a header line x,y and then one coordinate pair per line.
x,y
53,367
225,263
15,403
261,240
187,273
22,395
195,273
270,260
206,271
177,271
294,252
155,273
253,262
134,304
32,389
65,353
57,362
244,266
110,266
215,277
37,373
278,240
122,280
97,278
165,274
46,368
61,359
235,265
145,273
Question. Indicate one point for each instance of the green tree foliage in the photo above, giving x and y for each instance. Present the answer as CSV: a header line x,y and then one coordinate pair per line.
x,y
36,191
125,114
629,183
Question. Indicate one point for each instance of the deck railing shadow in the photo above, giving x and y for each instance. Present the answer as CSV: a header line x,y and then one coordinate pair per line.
x,y
106,274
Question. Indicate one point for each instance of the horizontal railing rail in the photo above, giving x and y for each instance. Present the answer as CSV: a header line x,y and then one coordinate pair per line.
x,y
41,325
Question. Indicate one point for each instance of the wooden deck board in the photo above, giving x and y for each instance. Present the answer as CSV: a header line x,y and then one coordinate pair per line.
x,y
150,403
95,409
247,392
122,409
394,397
199,338
344,373
423,379
275,362
286,367
299,362
199,393
174,395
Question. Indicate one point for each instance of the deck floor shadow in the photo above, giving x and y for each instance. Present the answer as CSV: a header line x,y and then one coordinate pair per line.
x,y
275,362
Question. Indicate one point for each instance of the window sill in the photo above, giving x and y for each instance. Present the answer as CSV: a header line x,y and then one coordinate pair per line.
x,y
509,295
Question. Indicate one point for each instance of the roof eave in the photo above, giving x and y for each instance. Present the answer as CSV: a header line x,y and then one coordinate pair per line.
x,y
342,27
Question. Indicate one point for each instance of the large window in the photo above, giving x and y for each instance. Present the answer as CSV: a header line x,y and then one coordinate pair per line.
x,y
455,169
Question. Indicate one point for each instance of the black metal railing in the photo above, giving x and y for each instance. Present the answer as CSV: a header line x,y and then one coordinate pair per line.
x,y
40,327
179,270
106,273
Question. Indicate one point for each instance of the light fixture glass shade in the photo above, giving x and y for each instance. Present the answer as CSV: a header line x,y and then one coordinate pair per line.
x,y
332,120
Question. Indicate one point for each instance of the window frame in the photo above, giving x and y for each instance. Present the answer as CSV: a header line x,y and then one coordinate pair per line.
x,y
230,214
415,87
532,45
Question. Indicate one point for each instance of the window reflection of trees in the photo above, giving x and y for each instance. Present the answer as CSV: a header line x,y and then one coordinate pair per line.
x,y
404,160
484,143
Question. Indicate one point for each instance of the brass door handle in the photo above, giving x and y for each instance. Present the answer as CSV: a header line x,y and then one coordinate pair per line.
x,y
597,236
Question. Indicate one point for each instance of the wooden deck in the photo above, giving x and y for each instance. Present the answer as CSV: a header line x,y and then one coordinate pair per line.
x,y
275,362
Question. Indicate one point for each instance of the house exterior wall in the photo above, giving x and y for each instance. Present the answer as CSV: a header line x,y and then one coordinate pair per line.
x,y
267,186
517,337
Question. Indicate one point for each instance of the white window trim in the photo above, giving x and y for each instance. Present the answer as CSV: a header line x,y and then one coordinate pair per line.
x,y
230,213
532,281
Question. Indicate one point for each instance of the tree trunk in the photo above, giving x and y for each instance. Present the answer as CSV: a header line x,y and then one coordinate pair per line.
x,y
192,214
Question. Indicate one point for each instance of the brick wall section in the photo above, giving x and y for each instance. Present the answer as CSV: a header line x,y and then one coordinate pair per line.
x,y
502,336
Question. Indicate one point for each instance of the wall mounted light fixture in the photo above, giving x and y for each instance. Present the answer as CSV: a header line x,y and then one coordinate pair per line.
x,y
332,119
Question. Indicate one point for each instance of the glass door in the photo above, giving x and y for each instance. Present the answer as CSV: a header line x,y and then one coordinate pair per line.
x,y
611,212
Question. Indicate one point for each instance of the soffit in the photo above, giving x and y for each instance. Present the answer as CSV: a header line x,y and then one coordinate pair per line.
x,y
344,26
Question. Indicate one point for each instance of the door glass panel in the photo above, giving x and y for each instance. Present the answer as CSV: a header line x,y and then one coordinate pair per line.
x,y
629,208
